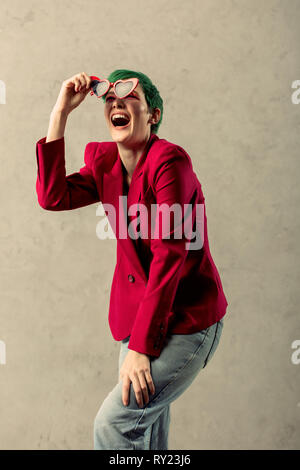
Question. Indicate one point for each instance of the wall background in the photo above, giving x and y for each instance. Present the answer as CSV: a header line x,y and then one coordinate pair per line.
x,y
224,69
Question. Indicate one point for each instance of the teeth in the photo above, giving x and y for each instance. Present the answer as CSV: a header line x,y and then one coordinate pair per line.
x,y
119,116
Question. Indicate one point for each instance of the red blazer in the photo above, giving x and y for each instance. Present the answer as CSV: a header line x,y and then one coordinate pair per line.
x,y
158,285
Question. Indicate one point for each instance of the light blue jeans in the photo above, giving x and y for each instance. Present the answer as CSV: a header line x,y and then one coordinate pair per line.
x,y
120,427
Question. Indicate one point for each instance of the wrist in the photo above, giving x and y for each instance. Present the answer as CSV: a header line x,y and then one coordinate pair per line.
x,y
59,112
136,353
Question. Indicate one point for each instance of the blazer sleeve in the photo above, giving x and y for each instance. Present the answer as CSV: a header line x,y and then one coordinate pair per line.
x,y
174,183
55,190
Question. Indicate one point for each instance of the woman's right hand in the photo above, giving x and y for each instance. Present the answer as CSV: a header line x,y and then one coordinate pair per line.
x,y
73,91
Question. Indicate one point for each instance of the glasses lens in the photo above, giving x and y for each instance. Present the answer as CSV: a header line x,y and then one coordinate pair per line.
x,y
124,88
99,88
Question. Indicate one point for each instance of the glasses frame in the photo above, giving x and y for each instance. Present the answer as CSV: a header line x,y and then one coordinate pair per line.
x,y
135,81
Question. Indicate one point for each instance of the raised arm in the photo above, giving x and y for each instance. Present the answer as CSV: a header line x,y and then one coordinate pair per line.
x,y
55,190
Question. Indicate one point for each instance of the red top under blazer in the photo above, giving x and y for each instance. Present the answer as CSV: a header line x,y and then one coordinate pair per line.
x,y
167,290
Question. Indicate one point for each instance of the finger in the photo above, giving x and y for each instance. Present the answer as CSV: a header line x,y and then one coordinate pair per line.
x,y
144,387
77,84
137,390
150,381
125,390
69,83
81,78
79,88
88,80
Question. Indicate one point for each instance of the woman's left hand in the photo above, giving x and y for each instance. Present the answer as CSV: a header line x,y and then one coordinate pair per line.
x,y
136,369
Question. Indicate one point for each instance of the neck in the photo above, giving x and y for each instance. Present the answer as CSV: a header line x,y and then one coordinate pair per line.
x,y
131,155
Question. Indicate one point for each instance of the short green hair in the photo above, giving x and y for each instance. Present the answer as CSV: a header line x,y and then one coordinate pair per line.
x,y
151,93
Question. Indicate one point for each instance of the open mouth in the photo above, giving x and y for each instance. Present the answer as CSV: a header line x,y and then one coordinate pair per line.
x,y
120,121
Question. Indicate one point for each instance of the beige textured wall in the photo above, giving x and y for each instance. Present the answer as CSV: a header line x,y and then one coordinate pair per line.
x,y
225,69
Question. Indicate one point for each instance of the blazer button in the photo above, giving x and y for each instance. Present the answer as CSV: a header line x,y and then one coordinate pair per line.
x,y
130,278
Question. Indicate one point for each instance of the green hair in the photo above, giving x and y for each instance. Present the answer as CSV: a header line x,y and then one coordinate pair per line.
x,y
151,93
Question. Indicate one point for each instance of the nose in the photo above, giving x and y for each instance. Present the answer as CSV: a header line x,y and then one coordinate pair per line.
x,y
118,102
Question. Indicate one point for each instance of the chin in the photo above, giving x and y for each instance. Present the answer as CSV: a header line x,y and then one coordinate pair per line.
x,y
119,135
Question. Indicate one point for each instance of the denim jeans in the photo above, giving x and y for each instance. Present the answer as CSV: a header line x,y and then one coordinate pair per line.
x,y
120,427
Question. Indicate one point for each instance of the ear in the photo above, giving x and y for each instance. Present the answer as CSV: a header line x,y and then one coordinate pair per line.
x,y
155,116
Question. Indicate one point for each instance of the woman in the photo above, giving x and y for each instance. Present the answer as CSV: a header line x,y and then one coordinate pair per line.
x,y
167,302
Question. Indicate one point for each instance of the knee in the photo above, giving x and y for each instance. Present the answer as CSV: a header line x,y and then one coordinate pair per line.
x,y
108,419
102,432
111,430
101,423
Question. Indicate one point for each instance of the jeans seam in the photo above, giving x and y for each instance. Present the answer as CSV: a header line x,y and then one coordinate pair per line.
x,y
149,441
212,345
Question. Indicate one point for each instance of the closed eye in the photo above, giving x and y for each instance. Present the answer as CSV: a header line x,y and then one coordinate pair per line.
x,y
109,98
